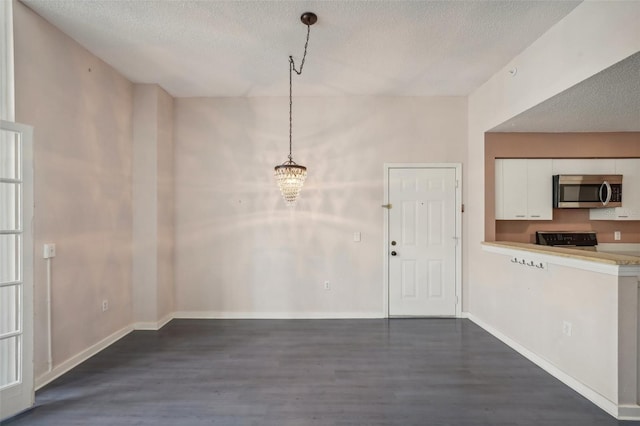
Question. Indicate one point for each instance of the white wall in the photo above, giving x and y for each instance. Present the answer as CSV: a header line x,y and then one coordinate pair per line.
x,y
591,38
539,302
81,110
242,252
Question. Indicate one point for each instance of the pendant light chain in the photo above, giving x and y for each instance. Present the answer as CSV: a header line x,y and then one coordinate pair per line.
x,y
306,44
289,175
292,67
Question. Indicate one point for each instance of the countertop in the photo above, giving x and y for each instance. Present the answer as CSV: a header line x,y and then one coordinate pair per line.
x,y
607,258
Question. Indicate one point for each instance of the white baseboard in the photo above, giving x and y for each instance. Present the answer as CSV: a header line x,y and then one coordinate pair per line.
x,y
276,315
628,412
79,358
464,315
153,325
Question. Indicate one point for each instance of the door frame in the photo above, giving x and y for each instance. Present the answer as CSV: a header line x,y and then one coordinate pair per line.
x,y
25,395
385,238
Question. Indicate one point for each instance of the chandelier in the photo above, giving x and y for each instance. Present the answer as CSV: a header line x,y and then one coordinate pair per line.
x,y
290,175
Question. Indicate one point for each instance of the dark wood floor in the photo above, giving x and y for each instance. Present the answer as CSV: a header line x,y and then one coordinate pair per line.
x,y
311,372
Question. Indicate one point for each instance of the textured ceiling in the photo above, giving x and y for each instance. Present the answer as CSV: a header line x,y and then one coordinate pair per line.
x,y
608,101
241,48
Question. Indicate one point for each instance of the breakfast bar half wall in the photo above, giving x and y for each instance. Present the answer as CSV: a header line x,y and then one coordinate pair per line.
x,y
573,313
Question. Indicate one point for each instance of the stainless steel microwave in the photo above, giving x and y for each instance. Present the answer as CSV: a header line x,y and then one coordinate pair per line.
x,y
587,191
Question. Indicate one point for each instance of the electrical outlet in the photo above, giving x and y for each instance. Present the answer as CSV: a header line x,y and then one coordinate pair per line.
x,y
327,286
617,236
105,305
567,328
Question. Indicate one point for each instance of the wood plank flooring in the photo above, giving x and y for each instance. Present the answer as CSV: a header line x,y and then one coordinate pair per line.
x,y
311,372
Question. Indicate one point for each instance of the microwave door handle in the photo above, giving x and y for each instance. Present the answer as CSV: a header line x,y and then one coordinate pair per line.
x,y
605,184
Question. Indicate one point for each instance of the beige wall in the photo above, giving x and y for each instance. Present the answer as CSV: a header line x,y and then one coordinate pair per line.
x,y
242,252
145,203
81,111
153,205
166,200
556,145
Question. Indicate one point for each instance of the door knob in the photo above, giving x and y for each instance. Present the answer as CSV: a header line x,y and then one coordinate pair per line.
x,y
393,243
393,253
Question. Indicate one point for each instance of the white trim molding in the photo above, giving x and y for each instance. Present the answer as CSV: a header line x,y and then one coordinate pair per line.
x,y
275,315
628,412
622,412
7,83
79,358
153,325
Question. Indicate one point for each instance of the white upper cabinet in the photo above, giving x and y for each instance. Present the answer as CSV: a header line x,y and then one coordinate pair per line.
x,y
629,168
584,166
524,189
540,189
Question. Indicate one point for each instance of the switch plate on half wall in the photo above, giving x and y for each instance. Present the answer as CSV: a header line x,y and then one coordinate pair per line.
x,y
617,235
567,328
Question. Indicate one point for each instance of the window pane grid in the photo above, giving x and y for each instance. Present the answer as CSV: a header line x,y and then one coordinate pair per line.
x,y
9,309
10,155
10,199
11,262
10,265
10,357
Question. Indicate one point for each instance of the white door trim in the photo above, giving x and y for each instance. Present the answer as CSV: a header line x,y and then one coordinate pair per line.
x,y
22,396
385,229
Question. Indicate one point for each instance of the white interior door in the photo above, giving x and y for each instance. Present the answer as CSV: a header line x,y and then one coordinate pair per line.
x,y
16,269
422,241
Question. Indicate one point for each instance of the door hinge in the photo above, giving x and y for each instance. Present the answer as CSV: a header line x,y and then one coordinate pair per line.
x,y
462,208
457,183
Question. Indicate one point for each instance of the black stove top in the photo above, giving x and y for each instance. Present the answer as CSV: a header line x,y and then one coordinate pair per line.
x,y
567,238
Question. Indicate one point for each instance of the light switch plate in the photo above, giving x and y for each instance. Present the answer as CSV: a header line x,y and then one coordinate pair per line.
x,y
49,250
356,237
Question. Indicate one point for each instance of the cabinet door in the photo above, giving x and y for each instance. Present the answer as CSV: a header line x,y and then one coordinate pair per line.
x,y
629,168
539,190
514,174
584,166
499,190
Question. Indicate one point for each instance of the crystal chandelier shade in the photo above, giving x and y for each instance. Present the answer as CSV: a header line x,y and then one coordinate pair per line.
x,y
289,175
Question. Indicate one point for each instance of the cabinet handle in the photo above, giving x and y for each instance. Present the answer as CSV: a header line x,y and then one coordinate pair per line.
x,y
622,216
520,215
535,215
